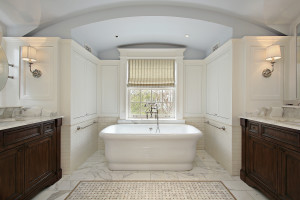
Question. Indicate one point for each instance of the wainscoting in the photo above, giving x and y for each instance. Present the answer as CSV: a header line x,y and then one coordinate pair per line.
x,y
104,122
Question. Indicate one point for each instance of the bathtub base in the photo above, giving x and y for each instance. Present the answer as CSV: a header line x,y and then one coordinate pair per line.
x,y
139,166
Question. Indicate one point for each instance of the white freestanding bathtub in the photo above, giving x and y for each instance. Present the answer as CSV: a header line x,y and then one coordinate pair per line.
x,y
137,147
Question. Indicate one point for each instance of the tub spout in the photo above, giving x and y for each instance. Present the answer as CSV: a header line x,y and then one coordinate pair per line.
x,y
153,109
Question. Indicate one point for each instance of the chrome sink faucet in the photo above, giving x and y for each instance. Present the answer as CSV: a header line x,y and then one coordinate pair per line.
x,y
153,109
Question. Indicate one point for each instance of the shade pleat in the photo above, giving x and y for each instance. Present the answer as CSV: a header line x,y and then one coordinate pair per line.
x,y
151,72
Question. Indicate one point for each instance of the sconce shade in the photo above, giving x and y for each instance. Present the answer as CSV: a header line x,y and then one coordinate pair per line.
x,y
29,54
273,53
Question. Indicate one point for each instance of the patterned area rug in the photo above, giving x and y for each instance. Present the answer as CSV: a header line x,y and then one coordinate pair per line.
x,y
155,190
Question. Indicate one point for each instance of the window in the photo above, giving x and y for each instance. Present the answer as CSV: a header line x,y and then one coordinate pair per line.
x,y
139,98
151,81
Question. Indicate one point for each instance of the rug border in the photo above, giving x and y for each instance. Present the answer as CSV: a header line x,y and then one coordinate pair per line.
x,y
146,181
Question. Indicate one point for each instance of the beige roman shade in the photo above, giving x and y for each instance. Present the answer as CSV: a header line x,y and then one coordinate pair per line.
x,y
151,72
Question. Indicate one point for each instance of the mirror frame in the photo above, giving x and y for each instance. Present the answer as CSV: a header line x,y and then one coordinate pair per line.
x,y
4,68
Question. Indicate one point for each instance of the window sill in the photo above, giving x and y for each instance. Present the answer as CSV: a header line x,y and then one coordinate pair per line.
x,y
151,121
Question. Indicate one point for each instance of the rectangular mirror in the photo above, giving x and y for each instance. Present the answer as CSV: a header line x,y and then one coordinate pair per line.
x,y
298,59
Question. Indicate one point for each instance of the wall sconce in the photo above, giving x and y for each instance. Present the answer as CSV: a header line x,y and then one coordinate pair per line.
x,y
29,55
273,53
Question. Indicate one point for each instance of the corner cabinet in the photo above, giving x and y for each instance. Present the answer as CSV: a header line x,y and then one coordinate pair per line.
x,y
29,159
79,83
271,159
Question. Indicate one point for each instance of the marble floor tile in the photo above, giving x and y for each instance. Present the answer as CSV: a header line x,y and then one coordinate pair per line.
x,y
218,177
242,195
257,195
237,185
205,169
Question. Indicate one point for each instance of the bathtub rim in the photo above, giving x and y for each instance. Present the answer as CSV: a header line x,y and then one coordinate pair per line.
x,y
127,135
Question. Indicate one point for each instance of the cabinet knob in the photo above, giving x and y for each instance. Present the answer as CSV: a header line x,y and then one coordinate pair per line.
x,y
20,150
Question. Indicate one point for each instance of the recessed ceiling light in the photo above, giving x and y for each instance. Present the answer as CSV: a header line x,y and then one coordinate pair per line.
x,y
186,35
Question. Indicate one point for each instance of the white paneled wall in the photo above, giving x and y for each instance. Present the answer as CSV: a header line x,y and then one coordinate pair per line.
x,y
24,89
260,91
194,73
193,95
78,145
104,122
198,122
109,83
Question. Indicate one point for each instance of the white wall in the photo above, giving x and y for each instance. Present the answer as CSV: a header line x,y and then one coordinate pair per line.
x,y
24,89
260,91
193,92
109,88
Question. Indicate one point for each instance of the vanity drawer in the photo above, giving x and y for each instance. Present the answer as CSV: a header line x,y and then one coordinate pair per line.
x,y
48,127
281,135
254,128
18,135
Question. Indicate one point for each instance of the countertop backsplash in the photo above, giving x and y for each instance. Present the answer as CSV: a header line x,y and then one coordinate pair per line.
x,y
19,111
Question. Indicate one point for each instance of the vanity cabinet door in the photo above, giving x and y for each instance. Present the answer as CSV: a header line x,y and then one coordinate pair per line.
x,y
263,162
289,174
12,174
39,161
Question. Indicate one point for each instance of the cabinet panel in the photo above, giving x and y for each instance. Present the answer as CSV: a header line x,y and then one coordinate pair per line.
x,y
15,136
39,161
91,88
263,162
78,86
212,89
12,174
271,159
289,180
224,86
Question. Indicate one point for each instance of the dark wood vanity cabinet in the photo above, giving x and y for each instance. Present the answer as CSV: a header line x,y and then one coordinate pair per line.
x,y
29,159
271,159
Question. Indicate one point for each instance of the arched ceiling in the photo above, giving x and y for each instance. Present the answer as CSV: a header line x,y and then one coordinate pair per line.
x,y
101,18
111,34
36,13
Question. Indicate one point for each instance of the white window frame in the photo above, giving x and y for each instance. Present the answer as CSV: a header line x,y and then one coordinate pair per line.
x,y
169,53
157,88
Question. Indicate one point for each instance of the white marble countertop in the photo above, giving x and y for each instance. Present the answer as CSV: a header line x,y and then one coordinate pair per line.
x,y
278,121
11,123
